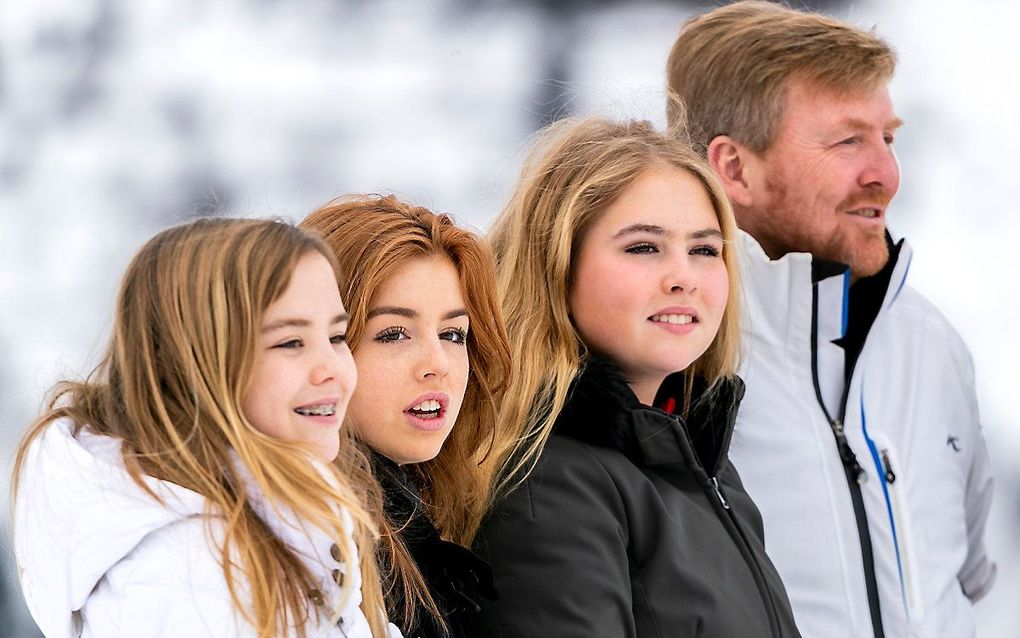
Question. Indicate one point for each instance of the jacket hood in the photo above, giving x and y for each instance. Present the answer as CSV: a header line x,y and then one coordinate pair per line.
x,y
603,410
78,512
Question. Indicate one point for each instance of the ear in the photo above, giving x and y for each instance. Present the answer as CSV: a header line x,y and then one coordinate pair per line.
x,y
729,161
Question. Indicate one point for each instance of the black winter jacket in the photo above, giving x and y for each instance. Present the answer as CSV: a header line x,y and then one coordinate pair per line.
x,y
455,577
633,524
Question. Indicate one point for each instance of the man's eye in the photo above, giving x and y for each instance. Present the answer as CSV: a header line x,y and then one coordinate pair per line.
x,y
454,335
849,141
290,344
642,249
389,335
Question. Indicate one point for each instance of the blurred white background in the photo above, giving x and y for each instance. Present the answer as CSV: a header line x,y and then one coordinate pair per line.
x,y
119,118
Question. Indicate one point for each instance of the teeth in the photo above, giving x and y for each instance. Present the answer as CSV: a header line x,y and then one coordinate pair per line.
x,y
427,406
674,319
328,409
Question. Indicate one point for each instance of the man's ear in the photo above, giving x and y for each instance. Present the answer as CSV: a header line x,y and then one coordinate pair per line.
x,y
729,161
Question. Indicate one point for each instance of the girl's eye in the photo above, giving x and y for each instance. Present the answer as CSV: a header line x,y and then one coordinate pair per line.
x,y
389,335
338,339
290,345
641,249
454,335
706,251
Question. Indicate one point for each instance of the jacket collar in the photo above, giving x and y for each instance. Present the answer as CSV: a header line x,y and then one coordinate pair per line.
x,y
798,306
602,410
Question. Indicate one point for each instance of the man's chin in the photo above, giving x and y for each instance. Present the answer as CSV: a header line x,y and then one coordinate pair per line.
x,y
869,260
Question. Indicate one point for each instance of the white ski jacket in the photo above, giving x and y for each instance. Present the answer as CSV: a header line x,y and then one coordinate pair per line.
x,y
97,556
911,421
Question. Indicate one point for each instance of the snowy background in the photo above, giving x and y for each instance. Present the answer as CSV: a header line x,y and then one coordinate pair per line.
x,y
119,118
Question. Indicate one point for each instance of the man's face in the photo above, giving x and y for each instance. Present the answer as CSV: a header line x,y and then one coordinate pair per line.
x,y
825,183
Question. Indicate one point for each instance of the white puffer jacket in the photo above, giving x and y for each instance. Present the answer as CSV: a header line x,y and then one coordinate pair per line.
x,y
97,556
911,420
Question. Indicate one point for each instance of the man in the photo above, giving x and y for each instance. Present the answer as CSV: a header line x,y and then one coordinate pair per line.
x,y
858,437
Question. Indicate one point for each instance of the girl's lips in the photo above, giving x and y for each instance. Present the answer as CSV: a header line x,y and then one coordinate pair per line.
x,y
441,397
686,319
325,419
428,423
432,424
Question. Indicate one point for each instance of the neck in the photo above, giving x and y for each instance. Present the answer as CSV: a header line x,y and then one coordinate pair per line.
x,y
645,389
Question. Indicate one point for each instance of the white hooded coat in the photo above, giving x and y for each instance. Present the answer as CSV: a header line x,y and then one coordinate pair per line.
x,y
97,556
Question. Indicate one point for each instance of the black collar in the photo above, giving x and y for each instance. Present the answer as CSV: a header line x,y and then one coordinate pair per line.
x,y
602,410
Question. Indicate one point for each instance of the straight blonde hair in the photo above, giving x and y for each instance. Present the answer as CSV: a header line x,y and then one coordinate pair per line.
x,y
372,236
171,386
576,169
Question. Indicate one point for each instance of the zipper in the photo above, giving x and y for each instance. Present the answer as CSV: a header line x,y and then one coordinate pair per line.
x,y
890,476
904,536
846,454
718,492
734,528
856,476
744,546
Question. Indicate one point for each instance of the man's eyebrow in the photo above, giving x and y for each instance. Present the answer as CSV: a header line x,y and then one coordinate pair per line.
x,y
299,323
857,124
392,310
640,228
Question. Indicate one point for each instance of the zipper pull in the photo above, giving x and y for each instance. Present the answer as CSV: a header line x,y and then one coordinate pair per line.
x,y
890,476
846,454
718,492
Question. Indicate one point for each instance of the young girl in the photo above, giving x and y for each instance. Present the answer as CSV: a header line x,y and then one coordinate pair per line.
x,y
433,357
197,482
619,286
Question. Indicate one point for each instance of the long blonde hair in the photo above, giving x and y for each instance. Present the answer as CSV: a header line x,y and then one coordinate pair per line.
x,y
576,169
171,386
372,237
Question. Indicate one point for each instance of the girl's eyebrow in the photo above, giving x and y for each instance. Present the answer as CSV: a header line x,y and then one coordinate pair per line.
x,y
392,310
409,313
299,323
641,228
659,230
705,233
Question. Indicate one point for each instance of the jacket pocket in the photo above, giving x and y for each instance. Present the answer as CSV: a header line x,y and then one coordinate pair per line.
x,y
906,545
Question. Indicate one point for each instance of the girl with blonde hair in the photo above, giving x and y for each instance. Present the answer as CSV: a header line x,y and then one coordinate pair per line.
x,y
197,483
619,513
432,353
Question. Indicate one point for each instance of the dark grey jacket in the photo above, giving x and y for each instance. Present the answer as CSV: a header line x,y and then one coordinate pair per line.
x,y
633,524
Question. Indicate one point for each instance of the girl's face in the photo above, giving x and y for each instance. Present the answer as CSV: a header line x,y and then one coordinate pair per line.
x,y
650,284
413,362
304,374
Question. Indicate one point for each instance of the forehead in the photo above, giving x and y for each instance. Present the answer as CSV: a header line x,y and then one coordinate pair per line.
x,y
663,195
809,107
312,288
428,280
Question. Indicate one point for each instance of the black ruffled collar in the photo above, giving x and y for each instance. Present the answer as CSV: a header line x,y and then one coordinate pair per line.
x,y
456,578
